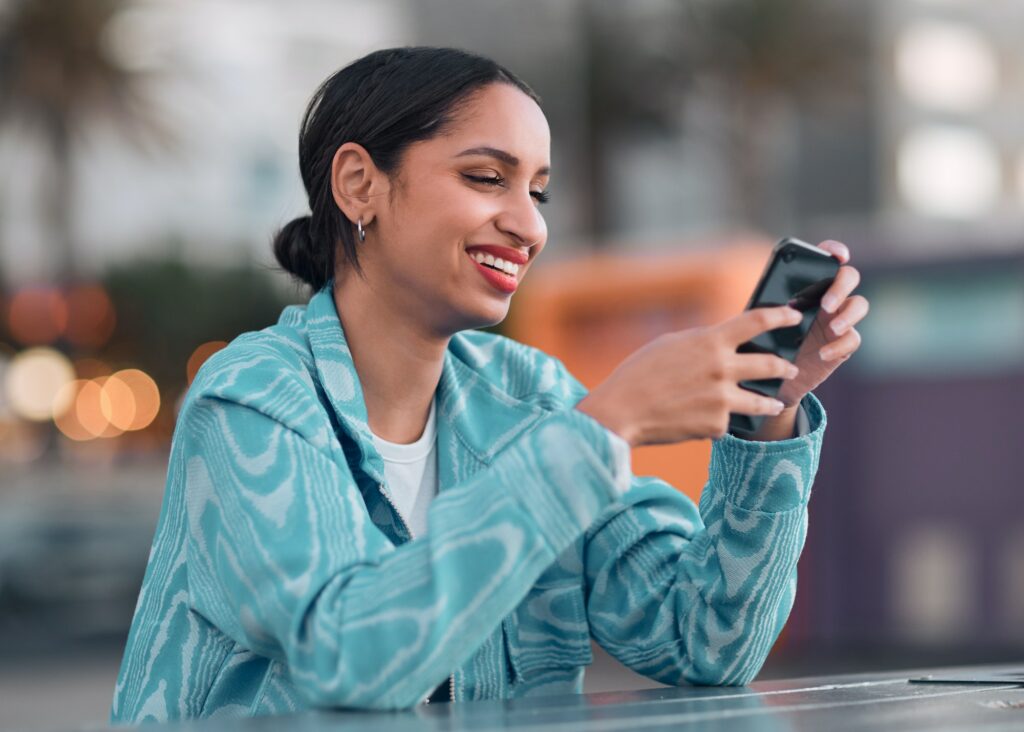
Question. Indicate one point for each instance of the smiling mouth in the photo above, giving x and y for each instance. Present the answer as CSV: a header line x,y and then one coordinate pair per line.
x,y
496,263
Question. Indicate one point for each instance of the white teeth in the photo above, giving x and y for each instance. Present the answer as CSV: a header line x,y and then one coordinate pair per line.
x,y
510,268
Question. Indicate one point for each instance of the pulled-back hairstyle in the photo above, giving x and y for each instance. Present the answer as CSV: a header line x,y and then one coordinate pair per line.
x,y
384,101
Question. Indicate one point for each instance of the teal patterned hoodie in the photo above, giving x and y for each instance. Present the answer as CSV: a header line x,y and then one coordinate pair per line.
x,y
281,577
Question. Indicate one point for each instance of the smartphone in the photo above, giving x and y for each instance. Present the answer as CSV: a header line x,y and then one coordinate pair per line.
x,y
798,274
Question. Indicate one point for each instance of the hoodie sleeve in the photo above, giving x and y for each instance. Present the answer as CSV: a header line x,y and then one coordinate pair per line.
x,y
684,594
284,559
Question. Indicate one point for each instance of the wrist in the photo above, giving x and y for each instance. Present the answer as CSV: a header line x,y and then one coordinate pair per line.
x,y
782,426
609,417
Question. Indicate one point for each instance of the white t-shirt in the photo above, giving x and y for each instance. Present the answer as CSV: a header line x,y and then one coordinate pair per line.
x,y
410,474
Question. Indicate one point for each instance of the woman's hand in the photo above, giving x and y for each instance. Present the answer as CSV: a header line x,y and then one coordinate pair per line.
x,y
683,385
832,338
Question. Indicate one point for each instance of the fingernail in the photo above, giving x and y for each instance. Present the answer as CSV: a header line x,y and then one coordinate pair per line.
x,y
778,407
829,303
839,326
826,354
793,373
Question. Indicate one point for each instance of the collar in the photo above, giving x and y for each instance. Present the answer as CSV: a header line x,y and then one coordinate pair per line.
x,y
475,418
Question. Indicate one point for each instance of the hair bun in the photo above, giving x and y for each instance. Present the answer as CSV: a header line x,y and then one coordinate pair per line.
x,y
296,253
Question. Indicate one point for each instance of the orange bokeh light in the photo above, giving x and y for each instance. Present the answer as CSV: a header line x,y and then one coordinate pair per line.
x,y
118,403
107,406
199,356
90,316
89,410
37,315
67,419
145,396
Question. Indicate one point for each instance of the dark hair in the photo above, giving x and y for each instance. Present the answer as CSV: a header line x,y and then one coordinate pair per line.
x,y
384,101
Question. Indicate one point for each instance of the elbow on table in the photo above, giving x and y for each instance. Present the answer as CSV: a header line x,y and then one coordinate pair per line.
x,y
736,672
324,695
721,677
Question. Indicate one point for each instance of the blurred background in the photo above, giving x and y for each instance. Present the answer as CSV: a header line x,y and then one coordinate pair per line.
x,y
148,150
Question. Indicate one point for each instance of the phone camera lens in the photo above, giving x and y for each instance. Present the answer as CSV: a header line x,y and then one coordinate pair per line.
x,y
788,256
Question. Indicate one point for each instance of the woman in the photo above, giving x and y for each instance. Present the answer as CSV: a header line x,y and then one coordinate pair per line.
x,y
302,558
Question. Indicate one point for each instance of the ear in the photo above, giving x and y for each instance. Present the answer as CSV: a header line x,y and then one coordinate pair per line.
x,y
355,181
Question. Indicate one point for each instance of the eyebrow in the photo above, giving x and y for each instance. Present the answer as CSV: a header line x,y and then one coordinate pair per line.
x,y
505,157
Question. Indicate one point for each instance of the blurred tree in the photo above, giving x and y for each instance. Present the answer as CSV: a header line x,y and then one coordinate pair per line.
x,y
166,308
752,55
58,73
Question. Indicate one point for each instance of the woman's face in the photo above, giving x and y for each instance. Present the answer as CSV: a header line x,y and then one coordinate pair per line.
x,y
471,193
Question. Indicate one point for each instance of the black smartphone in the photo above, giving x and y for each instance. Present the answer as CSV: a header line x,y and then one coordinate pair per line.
x,y
798,274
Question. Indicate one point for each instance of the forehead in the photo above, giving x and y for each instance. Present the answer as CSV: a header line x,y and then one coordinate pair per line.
x,y
498,116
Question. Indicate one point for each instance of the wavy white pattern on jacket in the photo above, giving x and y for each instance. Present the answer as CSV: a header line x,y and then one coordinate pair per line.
x,y
280,578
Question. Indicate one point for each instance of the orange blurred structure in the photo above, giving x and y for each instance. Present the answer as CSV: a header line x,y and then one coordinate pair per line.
x,y
592,313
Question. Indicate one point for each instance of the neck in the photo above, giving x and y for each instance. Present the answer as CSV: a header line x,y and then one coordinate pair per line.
x,y
398,361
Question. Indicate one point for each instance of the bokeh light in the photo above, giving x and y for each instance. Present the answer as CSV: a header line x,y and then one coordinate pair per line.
x,y
90,316
199,356
107,406
89,410
37,316
946,66
145,397
33,380
67,420
117,403
950,172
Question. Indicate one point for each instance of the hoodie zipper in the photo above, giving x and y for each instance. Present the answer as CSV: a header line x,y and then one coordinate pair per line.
x,y
408,530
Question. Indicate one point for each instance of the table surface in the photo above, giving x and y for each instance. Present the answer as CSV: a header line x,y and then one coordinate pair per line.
x,y
883,701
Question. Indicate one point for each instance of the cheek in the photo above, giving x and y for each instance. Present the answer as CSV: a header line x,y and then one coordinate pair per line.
x,y
447,212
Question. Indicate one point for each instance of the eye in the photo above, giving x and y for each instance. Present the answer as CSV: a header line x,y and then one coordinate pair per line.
x,y
490,180
497,180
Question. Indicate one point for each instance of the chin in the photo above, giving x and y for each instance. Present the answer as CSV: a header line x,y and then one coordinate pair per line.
x,y
484,317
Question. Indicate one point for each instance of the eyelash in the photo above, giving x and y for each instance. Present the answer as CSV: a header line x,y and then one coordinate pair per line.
x,y
539,196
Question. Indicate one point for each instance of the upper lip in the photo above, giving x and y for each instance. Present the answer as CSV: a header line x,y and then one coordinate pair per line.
x,y
516,256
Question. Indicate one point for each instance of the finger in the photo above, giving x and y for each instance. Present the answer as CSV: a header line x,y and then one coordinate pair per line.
x,y
756,366
751,323
744,401
841,348
850,313
846,281
837,248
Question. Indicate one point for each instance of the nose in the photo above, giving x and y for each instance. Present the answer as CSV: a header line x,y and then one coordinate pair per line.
x,y
521,219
